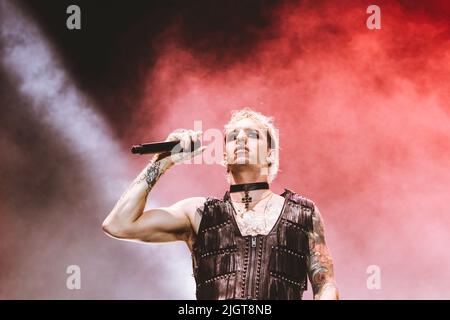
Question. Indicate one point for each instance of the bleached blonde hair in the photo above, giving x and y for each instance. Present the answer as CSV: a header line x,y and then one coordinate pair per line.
x,y
273,138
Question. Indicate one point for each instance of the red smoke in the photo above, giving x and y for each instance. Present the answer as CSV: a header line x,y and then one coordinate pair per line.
x,y
364,128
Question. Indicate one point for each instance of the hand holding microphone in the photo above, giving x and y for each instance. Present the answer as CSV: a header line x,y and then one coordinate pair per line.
x,y
180,145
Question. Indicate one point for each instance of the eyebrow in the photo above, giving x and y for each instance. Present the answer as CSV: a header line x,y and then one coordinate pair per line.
x,y
267,132
244,128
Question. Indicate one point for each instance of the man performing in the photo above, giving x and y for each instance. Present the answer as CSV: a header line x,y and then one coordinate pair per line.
x,y
253,243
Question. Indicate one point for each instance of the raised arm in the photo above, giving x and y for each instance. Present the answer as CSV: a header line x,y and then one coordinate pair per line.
x,y
127,220
320,263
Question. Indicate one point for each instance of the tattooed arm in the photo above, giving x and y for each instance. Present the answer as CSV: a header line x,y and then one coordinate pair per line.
x,y
320,263
128,221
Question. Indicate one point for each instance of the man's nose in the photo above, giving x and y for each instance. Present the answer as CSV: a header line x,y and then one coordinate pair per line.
x,y
241,136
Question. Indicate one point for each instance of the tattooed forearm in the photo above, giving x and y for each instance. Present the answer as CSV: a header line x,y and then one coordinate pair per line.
x,y
153,173
121,221
149,175
320,262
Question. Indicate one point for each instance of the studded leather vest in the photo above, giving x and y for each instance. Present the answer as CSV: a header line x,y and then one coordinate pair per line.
x,y
228,265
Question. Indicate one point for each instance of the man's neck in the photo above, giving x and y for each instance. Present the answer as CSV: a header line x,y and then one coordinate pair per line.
x,y
248,174
241,174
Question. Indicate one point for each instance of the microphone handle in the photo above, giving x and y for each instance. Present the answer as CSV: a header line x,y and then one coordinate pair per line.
x,y
164,146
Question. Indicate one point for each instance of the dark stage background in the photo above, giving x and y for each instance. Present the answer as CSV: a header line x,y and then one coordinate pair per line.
x,y
364,120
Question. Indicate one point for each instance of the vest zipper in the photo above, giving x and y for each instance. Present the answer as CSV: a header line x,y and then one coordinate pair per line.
x,y
251,267
253,242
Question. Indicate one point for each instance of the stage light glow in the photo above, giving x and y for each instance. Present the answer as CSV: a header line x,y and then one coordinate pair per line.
x,y
32,62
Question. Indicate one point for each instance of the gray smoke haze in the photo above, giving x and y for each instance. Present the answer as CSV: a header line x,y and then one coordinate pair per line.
x,y
62,172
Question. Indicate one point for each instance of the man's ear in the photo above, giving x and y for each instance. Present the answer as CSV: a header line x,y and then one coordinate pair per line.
x,y
224,159
271,156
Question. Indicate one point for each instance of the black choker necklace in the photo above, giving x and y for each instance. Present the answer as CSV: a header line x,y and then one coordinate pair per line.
x,y
246,187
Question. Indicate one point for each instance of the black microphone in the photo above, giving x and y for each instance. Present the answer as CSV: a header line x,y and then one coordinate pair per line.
x,y
164,146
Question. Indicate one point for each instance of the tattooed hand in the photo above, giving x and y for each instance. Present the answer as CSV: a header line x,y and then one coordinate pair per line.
x,y
320,263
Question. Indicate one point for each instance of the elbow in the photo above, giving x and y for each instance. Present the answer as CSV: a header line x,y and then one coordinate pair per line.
x,y
328,291
107,228
113,229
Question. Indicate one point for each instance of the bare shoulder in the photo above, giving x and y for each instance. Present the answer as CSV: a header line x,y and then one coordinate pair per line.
x,y
190,203
192,208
